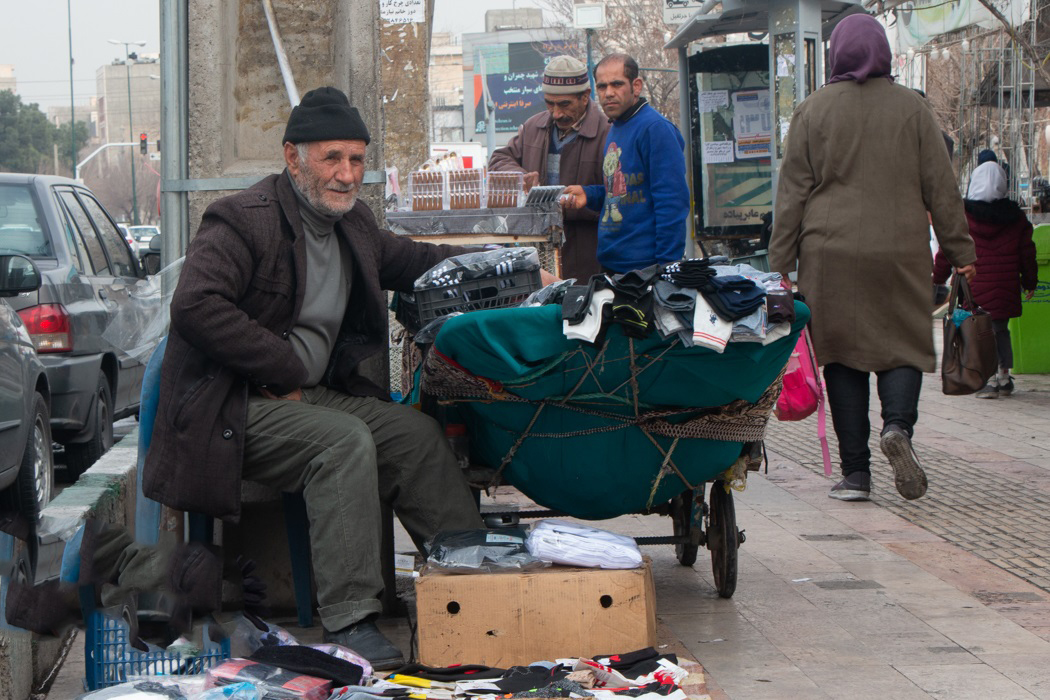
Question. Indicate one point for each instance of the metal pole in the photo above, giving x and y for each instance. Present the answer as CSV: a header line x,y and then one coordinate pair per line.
x,y
131,131
282,56
81,164
590,64
490,112
174,210
490,127
687,129
72,111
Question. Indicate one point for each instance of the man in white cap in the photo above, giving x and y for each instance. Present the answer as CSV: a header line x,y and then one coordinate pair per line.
x,y
563,146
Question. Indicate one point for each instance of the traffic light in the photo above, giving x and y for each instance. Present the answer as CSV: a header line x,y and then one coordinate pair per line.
x,y
143,144
158,145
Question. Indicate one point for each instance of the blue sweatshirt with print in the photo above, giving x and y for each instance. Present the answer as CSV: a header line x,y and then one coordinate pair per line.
x,y
644,203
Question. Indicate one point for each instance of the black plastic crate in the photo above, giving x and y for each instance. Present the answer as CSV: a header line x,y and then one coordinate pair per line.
x,y
417,309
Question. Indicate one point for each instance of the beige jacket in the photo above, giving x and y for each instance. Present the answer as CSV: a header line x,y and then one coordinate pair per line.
x,y
864,163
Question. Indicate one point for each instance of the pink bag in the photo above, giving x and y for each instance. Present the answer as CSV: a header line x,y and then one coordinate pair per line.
x,y
803,392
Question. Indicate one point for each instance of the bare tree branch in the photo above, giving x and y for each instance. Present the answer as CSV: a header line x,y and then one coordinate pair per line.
x,y
634,27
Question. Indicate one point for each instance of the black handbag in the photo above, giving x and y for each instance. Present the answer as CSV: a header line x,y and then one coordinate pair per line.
x,y
970,358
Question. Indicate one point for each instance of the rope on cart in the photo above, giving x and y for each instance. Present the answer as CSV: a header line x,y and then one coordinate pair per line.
x,y
633,378
738,421
665,468
588,372
634,374
514,448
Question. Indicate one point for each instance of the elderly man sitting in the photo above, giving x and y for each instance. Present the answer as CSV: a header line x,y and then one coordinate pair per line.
x,y
279,302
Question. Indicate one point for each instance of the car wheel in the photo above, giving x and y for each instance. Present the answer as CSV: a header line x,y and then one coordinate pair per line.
x,y
82,455
35,482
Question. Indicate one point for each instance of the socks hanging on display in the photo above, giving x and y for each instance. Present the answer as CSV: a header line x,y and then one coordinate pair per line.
x,y
709,330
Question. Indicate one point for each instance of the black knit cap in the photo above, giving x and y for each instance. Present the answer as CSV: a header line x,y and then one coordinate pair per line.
x,y
325,114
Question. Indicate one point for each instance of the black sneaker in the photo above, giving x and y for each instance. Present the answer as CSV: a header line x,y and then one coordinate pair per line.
x,y
991,390
1006,388
856,486
366,639
908,475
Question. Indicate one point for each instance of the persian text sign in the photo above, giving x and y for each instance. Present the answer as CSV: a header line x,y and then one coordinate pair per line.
x,y
402,11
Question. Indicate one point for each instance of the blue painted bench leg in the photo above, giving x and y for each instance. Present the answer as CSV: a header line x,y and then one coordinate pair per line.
x,y
147,512
297,526
392,605
201,529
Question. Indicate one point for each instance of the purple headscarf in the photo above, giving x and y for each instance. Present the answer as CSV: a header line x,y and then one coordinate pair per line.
x,y
859,50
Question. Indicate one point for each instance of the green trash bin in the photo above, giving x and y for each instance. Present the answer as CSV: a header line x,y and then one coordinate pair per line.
x,y
1030,334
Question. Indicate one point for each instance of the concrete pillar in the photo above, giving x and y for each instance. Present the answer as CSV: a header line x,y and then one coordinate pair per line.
x,y
237,103
404,61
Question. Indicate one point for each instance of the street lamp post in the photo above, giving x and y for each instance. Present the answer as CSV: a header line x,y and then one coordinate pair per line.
x,y
72,109
131,128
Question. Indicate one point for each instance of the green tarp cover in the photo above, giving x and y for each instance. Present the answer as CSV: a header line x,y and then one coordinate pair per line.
x,y
590,466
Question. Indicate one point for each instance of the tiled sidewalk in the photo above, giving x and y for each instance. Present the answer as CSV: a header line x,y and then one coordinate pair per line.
x,y
885,599
988,463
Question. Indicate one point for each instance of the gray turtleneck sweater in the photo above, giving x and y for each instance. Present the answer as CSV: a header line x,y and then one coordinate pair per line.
x,y
327,290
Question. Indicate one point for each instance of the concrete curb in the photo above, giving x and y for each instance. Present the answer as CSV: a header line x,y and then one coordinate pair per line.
x,y
106,491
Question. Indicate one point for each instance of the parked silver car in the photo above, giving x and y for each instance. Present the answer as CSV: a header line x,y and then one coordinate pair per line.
x,y
86,267
141,235
26,461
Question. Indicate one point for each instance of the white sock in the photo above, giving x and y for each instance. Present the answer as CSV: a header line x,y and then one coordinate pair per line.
x,y
1003,376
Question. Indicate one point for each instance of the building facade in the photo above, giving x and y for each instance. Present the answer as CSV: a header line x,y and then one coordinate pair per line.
x,y
7,78
116,122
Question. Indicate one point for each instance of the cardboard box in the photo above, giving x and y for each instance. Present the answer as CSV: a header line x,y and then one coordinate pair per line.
x,y
512,619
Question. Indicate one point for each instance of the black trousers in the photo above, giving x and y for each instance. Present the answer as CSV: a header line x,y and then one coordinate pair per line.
x,y
849,397
1002,343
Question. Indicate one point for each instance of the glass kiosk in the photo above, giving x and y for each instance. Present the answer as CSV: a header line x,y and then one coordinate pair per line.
x,y
738,100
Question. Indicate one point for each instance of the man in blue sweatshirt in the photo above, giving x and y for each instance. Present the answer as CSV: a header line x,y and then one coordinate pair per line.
x,y
644,203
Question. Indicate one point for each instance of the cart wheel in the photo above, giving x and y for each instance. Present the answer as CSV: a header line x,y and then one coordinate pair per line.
x,y
682,507
723,539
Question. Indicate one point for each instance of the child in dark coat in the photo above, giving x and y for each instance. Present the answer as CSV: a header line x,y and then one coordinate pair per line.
x,y
1006,263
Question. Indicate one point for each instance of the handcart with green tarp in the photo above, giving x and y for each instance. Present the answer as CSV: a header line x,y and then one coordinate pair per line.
x,y
625,425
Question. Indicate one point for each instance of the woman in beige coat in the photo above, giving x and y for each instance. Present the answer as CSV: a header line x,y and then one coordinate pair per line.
x,y
865,162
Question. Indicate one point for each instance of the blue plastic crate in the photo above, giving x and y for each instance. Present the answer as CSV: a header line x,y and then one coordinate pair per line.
x,y
110,659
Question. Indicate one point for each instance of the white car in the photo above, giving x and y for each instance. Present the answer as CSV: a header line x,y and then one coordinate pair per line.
x,y
140,236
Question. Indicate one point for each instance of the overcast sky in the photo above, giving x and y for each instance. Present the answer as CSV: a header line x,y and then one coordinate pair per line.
x,y
35,38
465,16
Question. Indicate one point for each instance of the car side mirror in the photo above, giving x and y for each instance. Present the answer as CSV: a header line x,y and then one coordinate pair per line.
x,y
18,275
151,257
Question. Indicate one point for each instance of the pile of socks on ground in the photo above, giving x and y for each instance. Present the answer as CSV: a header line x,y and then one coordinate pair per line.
x,y
303,673
643,674
702,303
498,263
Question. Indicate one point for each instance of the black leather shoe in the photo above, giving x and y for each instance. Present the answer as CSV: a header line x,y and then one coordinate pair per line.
x,y
365,639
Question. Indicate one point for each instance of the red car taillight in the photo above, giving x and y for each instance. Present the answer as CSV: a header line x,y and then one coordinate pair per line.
x,y
48,326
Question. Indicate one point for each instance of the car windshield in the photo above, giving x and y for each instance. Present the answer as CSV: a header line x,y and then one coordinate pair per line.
x,y
21,223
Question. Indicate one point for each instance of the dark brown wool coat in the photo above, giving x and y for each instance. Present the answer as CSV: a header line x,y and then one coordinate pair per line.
x,y
238,297
581,164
